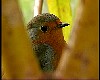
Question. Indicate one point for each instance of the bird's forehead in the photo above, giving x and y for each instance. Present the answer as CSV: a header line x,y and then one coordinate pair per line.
x,y
41,19
45,17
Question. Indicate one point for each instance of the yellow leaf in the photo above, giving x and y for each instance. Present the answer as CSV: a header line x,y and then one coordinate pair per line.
x,y
62,9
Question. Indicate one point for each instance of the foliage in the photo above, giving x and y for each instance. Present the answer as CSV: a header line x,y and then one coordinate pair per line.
x,y
62,9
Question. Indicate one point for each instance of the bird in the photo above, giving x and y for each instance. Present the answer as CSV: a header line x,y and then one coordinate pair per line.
x,y
45,32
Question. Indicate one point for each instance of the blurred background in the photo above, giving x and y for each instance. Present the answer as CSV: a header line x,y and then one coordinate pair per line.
x,y
27,7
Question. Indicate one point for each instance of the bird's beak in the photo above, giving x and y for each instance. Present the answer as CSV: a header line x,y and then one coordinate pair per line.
x,y
63,25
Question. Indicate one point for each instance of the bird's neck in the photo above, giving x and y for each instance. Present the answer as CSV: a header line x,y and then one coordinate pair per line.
x,y
58,46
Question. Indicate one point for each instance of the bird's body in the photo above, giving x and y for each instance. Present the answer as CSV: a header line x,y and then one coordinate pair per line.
x,y
45,31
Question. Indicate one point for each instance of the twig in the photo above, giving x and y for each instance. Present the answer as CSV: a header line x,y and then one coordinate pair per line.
x,y
38,7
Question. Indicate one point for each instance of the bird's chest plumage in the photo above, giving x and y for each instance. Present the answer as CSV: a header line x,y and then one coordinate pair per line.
x,y
46,56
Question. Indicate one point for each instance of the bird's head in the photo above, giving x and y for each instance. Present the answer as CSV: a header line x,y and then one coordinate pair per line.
x,y
45,27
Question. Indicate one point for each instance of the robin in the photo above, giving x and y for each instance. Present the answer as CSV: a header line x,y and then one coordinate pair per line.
x,y
45,31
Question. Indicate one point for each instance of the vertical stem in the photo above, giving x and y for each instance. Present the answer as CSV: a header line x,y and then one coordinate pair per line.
x,y
81,60
38,7
18,59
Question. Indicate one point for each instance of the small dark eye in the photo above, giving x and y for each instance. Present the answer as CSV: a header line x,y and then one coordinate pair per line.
x,y
44,28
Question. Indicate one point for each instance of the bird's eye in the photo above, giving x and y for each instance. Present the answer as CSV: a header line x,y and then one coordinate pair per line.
x,y
43,28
